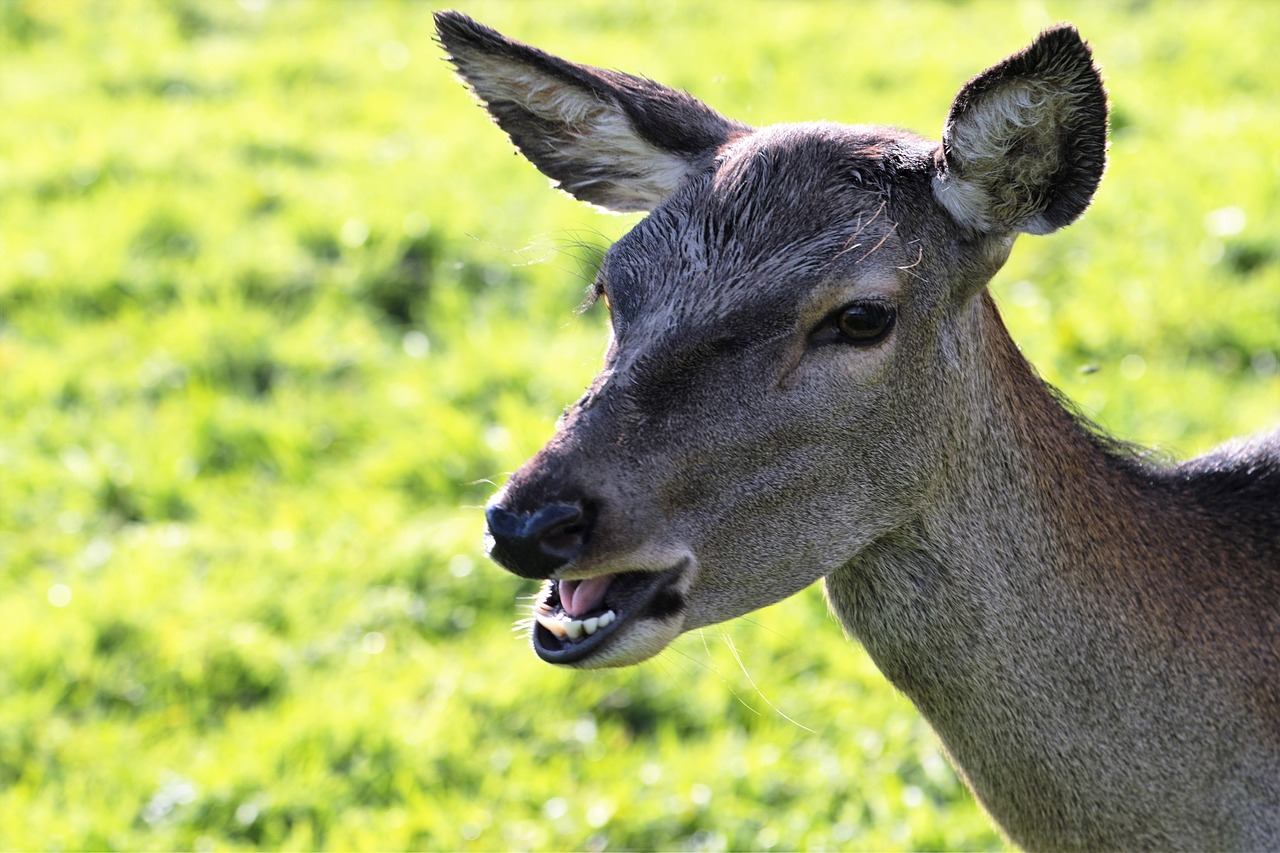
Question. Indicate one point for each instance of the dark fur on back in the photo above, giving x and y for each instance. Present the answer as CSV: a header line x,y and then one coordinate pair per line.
x,y
1240,483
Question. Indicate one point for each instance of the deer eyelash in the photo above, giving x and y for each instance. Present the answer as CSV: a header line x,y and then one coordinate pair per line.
x,y
595,292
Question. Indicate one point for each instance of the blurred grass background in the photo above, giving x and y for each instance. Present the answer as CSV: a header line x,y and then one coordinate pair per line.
x,y
278,306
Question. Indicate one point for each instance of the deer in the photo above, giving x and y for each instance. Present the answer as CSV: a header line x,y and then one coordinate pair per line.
x,y
808,378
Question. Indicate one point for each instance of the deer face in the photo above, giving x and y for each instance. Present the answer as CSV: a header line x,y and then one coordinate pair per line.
x,y
788,326
747,427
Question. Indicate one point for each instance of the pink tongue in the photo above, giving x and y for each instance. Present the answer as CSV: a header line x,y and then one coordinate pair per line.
x,y
581,597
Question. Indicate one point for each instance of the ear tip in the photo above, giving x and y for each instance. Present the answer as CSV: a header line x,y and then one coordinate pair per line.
x,y
1062,40
1062,45
1062,37
455,29
1063,30
450,21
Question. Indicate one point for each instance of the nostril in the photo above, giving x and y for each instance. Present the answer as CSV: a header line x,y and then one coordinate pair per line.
x,y
535,544
566,538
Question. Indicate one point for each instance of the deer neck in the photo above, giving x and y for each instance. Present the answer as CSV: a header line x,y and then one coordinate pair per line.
x,y
1029,514
1010,610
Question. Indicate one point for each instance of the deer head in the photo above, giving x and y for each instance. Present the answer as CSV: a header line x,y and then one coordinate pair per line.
x,y
789,377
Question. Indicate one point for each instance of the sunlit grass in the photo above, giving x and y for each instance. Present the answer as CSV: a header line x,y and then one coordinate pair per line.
x,y
278,307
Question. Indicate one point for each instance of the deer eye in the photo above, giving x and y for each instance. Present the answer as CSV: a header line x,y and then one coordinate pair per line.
x,y
863,323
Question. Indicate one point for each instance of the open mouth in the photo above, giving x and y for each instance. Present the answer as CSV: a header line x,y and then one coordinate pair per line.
x,y
574,618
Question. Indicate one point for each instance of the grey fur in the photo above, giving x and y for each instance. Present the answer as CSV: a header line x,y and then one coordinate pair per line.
x,y
1096,640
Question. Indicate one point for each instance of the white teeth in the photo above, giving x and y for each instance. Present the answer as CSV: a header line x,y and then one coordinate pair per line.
x,y
563,627
552,624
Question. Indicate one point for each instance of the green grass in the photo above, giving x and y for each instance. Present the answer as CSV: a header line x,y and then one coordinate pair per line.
x,y
278,305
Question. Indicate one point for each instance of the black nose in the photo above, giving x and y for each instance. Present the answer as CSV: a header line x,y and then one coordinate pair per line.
x,y
535,544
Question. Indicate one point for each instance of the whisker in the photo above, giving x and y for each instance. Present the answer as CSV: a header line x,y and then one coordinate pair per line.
x,y
712,669
588,253
709,667
764,627
665,663
729,642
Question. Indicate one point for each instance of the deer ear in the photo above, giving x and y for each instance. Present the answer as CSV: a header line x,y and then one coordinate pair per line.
x,y
1025,143
621,142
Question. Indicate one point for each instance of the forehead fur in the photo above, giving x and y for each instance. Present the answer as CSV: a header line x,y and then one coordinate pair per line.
x,y
782,204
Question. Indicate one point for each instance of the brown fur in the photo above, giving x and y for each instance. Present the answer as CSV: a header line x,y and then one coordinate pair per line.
x,y
1095,639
